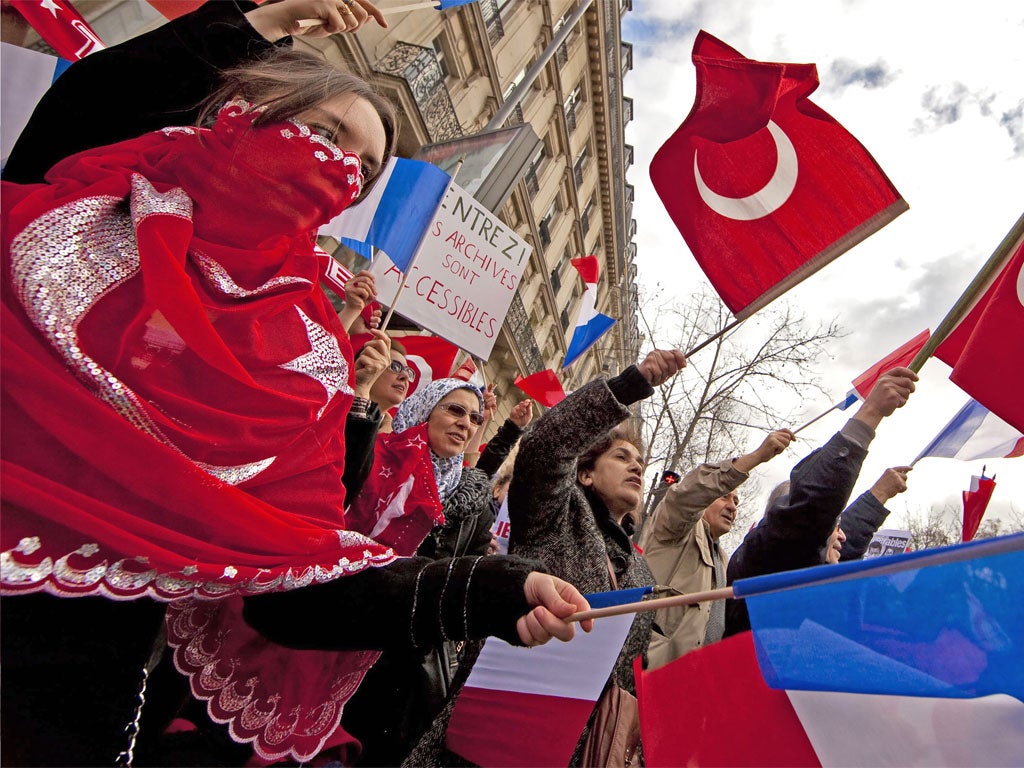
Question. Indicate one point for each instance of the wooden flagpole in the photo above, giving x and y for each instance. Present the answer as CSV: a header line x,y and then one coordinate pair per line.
x,y
305,24
978,285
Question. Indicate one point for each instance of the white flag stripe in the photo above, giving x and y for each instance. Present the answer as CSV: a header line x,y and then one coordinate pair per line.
x,y
574,670
354,222
911,730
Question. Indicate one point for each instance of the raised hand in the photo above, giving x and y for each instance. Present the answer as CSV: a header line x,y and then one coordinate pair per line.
x,y
661,364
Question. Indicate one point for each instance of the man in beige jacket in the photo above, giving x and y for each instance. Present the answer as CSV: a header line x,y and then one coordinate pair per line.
x,y
680,543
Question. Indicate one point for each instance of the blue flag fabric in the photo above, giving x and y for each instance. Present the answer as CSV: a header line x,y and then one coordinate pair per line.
x,y
617,597
396,213
446,4
945,622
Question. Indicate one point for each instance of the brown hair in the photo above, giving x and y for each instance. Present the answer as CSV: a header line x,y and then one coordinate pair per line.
x,y
288,83
588,459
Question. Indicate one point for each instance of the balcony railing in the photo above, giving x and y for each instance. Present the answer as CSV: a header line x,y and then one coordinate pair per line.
x,y
518,323
419,67
492,20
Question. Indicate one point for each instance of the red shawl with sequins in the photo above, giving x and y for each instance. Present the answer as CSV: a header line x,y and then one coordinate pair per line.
x,y
175,385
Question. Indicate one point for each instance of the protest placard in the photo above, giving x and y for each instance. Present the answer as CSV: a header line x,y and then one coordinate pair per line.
x,y
463,277
888,541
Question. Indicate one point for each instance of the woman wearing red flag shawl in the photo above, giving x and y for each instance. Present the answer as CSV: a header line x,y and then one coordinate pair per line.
x,y
174,387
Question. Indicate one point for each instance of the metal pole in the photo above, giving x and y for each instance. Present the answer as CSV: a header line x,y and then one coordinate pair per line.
x,y
520,90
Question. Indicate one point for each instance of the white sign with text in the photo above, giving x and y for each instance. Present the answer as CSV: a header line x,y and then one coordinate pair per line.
x,y
463,277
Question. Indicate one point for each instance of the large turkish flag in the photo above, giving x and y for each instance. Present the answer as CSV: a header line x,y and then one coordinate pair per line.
x,y
766,187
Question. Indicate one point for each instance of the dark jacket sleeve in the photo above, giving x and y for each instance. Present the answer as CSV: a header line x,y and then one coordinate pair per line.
x,y
794,531
360,439
413,602
143,84
859,522
499,447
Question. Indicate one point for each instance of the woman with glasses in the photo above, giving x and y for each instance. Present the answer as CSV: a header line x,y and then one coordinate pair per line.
x,y
391,387
404,691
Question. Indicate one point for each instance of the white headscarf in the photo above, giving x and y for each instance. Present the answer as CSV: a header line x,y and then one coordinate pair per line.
x,y
416,409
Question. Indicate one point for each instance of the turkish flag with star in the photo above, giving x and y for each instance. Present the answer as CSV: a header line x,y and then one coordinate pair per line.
x,y
61,26
986,348
765,187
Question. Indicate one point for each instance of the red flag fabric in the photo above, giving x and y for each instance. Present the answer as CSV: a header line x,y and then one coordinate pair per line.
x,y
61,26
465,371
398,504
986,349
543,386
975,503
765,187
899,357
430,356
678,729
172,9
588,267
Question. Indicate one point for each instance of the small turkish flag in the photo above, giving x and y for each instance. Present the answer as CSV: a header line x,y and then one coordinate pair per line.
x,y
765,187
898,358
986,348
61,26
543,386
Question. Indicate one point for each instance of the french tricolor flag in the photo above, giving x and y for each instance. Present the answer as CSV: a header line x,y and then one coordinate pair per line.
x,y
528,706
975,433
25,76
395,215
590,324
906,660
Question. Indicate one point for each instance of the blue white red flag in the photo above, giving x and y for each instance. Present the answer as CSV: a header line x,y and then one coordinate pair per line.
x,y
396,213
975,502
25,75
528,706
590,324
906,660
851,398
975,433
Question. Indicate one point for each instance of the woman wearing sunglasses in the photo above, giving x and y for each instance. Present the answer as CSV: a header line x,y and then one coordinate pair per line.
x,y
405,690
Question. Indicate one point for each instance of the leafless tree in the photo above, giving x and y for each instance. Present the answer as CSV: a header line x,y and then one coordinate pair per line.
x,y
751,378
942,525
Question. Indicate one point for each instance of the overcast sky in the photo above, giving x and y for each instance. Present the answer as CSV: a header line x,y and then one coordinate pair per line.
x,y
935,93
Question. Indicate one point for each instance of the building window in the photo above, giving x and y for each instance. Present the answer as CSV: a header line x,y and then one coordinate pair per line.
x,y
588,212
440,53
580,165
545,224
571,105
532,177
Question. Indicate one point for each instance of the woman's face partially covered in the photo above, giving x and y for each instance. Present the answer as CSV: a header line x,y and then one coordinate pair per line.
x,y
350,123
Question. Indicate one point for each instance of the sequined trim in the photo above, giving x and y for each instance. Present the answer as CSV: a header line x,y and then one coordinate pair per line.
x,y
324,361
217,276
71,256
350,159
146,201
85,571
186,129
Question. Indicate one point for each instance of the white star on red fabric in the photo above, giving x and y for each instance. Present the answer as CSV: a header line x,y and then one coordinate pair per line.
x,y
51,6
385,472
324,362
416,442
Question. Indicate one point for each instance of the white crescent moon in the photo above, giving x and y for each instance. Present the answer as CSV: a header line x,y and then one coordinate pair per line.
x,y
426,374
766,200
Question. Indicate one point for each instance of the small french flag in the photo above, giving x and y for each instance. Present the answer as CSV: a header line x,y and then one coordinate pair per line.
x,y
396,213
528,706
590,324
975,433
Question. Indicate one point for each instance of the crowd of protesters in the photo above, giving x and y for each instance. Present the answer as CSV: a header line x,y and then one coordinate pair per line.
x,y
204,475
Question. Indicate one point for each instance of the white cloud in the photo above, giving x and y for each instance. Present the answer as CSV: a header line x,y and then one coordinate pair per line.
x,y
936,99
